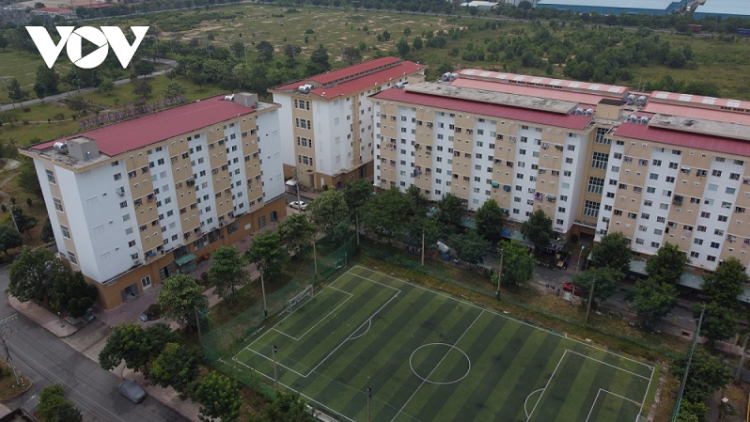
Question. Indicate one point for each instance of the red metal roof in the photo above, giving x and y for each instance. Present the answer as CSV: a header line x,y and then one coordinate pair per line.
x,y
347,72
568,121
697,113
683,139
53,10
146,130
688,99
371,80
611,90
530,91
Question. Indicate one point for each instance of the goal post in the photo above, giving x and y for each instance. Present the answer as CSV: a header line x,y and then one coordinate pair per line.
x,y
299,298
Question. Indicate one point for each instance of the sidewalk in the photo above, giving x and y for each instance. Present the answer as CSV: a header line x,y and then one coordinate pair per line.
x,y
53,323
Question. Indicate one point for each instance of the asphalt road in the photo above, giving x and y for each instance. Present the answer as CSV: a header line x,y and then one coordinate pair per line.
x,y
46,360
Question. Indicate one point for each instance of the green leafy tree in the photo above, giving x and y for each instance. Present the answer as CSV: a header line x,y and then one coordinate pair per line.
x,y
176,366
357,193
417,44
450,212
106,86
284,408
328,209
518,264
54,408
219,397
33,274
351,55
141,87
719,322
612,252
654,299
386,214
403,47
692,412
470,246
725,284
24,222
319,58
604,286
27,178
134,345
265,51
427,225
267,254
707,375
538,229
47,80
298,231
47,234
227,273
16,93
489,220
9,239
180,297
667,265
175,89
70,293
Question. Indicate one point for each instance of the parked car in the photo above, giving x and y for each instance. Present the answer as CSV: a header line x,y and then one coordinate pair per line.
x,y
132,391
299,205
568,287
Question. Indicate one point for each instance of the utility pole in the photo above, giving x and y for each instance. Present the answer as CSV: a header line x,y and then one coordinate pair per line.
x,y
591,298
315,256
198,324
500,274
275,373
356,227
263,291
5,332
422,247
13,217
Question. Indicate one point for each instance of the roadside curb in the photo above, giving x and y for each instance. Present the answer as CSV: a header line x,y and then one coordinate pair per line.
x,y
43,317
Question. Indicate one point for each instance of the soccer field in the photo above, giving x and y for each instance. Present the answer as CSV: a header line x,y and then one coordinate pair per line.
x,y
431,357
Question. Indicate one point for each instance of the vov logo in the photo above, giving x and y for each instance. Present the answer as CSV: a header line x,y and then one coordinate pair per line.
x,y
70,37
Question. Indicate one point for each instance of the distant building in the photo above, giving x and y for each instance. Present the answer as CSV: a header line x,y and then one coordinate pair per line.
x,y
135,202
326,120
616,7
723,8
482,6
54,11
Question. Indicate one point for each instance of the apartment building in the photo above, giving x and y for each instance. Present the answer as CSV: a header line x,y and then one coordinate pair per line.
x,y
659,167
135,202
326,120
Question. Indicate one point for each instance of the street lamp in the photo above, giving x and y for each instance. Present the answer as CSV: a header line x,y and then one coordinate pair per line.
x,y
591,297
61,321
275,373
500,274
369,395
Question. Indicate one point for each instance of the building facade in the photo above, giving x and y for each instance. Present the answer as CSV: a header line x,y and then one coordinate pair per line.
x,y
659,167
326,121
135,202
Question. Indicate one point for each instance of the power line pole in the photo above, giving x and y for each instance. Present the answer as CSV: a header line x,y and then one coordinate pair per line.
x,y
5,332
687,367
591,298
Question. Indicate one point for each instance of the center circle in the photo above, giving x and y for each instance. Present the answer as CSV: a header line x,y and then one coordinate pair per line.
x,y
425,359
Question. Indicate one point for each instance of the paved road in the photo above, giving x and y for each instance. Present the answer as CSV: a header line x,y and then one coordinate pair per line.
x,y
46,360
57,97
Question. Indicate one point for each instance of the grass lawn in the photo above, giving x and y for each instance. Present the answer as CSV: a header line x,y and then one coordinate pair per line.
x,y
8,387
432,357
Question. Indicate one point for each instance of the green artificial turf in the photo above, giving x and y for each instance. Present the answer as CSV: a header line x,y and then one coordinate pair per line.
x,y
432,357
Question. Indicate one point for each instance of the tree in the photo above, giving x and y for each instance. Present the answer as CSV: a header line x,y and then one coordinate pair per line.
x,y
351,55
386,214
265,51
27,178
613,252
141,87
604,287
719,323
176,366
328,209
654,299
489,220
70,293
47,234
707,374
134,345
429,226
175,89
470,246
538,229
16,93
180,297
292,51
227,273
33,274
54,408
667,265
692,412
219,397
403,47
9,239
319,58
267,254
284,408
518,264
725,284
417,44
357,193
298,231
106,86
24,222
450,212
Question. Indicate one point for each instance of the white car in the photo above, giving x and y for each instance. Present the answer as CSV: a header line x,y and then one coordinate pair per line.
x,y
300,205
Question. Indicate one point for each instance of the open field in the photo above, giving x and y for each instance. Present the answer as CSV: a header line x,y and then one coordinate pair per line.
x,y
431,357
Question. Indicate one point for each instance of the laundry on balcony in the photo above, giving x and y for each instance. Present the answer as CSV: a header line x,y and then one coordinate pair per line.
x,y
495,185
506,188
539,196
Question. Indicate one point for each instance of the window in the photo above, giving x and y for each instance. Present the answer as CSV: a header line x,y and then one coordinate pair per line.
x,y
72,257
600,136
715,245
123,204
731,191
655,245
656,163
591,209
146,282
58,204
645,216
716,173
262,221
723,218
596,185
65,232
694,254
600,160
653,176
570,161
50,176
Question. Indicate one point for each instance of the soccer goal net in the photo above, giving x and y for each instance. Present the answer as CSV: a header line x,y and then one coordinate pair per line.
x,y
299,299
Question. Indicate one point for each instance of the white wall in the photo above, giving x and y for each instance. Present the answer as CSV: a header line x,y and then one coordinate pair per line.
x,y
286,128
271,154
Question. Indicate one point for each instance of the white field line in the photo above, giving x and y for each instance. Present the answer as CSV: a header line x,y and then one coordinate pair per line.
x,y
544,390
320,320
608,364
611,393
438,365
